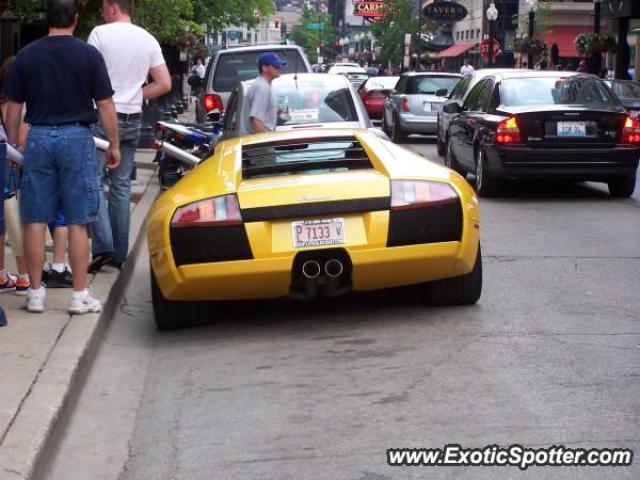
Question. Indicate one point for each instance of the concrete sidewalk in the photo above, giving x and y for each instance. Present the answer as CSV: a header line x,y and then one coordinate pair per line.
x,y
41,355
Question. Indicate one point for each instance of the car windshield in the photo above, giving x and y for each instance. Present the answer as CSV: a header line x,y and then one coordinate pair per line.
x,y
381,83
325,100
235,67
578,90
308,156
429,85
626,89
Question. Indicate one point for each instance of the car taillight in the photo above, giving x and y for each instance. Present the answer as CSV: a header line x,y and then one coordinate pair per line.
x,y
405,105
407,194
212,102
631,131
223,210
508,131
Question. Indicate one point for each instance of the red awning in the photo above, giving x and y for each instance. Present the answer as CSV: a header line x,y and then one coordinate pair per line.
x,y
563,36
455,50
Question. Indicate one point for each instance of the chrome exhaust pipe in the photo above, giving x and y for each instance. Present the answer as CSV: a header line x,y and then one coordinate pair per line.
x,y
311,269
333,268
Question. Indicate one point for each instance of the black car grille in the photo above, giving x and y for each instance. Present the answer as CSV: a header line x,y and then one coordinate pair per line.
x,y
437,223
297,210
192,245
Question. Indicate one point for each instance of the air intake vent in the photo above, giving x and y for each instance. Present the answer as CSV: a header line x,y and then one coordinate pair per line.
x,y
308,155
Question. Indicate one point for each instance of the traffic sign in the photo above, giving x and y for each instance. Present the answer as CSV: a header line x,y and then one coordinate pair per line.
x,y
315,26
484,49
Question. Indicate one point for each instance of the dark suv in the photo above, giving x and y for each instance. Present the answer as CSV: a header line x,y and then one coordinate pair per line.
x,y
230,67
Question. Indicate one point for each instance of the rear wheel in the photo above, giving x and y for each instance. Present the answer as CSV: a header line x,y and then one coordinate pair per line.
x,y
463,290
397,135
622,187
485,186
170,315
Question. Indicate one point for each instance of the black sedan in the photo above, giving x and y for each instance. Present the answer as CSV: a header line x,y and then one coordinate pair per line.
x,y
544,125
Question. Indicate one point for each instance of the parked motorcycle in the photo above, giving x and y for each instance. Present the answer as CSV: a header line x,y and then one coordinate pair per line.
x,y
182,146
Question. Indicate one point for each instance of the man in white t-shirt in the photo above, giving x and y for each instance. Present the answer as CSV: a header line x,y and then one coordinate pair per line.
x,y
131,55
466,69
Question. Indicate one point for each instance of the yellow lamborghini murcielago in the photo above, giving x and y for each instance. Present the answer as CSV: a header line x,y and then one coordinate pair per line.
x,y
312,213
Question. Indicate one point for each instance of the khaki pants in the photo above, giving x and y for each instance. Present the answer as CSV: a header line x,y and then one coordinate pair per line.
x,y
13,225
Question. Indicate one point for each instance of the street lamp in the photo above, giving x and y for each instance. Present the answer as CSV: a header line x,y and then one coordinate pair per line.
x,y
532,6
492,16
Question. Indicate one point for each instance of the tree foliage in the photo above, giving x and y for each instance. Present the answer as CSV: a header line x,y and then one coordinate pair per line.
x,y
167,20
399,19
310,39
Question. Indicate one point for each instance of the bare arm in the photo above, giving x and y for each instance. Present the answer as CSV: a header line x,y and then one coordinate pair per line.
x,y
161,82
258,125
14,115
107,110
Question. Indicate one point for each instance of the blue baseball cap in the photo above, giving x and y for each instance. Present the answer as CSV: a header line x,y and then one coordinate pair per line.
x,y
270,58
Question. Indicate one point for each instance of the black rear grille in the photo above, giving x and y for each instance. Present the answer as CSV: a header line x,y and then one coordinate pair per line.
x,y
209,244
438,223
298,210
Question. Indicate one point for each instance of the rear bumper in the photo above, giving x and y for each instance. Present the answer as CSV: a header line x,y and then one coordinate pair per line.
x,y
597,164
372,269
427,124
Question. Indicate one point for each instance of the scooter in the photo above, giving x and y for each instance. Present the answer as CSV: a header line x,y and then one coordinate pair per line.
x,y
182,146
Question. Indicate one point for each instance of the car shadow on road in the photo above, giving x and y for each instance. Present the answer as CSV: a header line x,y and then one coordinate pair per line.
x,y
549,190
264,317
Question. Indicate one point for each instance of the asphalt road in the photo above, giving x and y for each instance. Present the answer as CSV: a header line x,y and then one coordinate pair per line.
x,y
286,390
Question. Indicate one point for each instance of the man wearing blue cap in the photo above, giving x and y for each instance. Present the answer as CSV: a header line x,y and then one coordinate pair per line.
x,y
263,104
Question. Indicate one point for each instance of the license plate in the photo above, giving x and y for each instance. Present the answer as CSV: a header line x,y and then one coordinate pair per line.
x,y
311,233
426,106
436,107
572,129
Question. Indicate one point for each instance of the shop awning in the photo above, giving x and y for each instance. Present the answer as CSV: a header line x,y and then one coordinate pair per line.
x,y
563,36
455,50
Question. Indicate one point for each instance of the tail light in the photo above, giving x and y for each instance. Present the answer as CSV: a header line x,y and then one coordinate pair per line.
x,y
407,194
217,211
631,131
212,102
508,131
405,105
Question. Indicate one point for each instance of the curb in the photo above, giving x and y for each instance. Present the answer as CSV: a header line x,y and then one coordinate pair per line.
x,y
46,408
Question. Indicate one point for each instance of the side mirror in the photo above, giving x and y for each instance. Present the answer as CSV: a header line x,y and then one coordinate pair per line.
x,y
451,107
214,115
442,92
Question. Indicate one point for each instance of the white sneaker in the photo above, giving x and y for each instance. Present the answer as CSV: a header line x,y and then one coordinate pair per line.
x,y
35,300
84,302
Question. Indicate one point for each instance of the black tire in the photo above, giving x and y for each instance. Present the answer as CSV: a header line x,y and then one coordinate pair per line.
x,y
463,290
440,147
485,185
170,315
450,160
622,187
383,125
397,135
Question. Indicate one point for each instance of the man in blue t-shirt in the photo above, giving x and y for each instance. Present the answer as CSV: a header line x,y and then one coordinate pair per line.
x,y
59,78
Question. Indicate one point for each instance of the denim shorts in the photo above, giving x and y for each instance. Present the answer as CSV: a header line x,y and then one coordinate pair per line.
x,y
59,163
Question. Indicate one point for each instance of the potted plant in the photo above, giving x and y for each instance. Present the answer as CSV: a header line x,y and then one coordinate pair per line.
x,y
594,43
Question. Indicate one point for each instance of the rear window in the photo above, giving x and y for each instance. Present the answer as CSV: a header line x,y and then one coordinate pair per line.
x,y
233,68
578,90
429,85
381,83
626,89
302,102
310,156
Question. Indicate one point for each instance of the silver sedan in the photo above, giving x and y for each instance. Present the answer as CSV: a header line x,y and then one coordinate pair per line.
x,y
414,104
